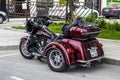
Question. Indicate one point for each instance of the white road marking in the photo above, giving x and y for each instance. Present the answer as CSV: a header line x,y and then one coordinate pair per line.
x,y
1,56
16,78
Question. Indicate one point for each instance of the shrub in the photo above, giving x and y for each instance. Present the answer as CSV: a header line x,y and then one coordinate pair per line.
x,y
101,23
91,18
117,26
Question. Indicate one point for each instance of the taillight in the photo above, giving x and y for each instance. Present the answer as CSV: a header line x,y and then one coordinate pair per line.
x,y
113,9
101,45
70,50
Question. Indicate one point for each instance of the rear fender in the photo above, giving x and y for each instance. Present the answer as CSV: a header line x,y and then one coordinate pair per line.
x,y
61,47
24,37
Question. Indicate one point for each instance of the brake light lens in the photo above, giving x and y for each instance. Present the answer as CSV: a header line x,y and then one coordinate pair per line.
x,y
101,45
70,50
113,9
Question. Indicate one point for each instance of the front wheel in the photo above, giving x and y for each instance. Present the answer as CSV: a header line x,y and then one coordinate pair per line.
x,y
118,16
24,50
56,61
107,17
1,19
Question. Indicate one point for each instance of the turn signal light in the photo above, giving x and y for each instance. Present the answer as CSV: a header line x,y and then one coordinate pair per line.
x,y
113,9
101,45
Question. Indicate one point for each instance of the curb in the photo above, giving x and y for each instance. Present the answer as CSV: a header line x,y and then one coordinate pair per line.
x,y
9,28
13,47
112,61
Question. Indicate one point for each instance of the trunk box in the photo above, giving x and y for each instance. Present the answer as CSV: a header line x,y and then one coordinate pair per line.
x,y
83,32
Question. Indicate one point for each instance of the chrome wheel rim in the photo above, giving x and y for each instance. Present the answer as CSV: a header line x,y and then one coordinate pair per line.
x,y
56,58
24,49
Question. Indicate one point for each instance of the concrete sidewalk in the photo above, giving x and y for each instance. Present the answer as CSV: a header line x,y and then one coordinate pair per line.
x,y
111,47
111,50
10,39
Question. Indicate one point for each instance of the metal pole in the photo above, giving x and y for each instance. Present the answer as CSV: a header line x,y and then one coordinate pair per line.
x,y
27,11
8,10
67,11
92,9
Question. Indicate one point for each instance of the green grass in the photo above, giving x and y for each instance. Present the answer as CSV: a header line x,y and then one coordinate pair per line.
x,y
110,34
115,3
106,34
17,27
56,28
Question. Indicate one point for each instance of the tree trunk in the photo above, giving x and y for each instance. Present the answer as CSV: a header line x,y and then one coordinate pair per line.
x,y
72,9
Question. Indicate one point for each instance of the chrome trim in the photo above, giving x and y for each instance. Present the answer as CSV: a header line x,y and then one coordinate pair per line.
x,y
88,33
90,60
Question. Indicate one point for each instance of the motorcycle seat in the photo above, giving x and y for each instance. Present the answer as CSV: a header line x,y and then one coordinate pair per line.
x,y
66,30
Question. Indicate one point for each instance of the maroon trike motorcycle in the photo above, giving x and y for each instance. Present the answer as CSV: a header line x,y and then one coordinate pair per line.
x,y
76,45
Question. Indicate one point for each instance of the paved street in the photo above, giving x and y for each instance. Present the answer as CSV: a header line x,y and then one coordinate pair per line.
x,y
8,37
111,48
16,22
14,67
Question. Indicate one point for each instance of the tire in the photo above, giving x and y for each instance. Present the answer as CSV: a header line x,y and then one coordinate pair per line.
x,y
24,51
1,19
118,16
56,60
107,17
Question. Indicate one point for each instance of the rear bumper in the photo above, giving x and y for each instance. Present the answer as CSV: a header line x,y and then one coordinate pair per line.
x,y
110,14
89,63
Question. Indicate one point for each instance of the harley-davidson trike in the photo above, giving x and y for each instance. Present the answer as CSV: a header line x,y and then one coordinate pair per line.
x,y
75,45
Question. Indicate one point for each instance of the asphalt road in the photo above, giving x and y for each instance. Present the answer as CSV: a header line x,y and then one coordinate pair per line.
x,y
11,23
14,67
8,37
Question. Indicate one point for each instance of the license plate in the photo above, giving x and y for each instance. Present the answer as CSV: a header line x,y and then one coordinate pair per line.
x,y
93,51
106,10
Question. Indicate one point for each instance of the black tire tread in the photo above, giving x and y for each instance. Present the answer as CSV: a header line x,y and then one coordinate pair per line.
x,y
2,19
27,57
61,69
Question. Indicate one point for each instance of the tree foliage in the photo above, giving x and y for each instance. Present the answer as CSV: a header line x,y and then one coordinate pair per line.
x,y
63,2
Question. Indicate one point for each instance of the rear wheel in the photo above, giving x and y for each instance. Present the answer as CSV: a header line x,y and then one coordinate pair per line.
x,y
56,60
118,16
1,19
107,17
24,50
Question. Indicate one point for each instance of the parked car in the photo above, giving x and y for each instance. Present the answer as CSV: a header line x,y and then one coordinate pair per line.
x,y
111,11
83,11
3,16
